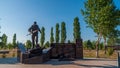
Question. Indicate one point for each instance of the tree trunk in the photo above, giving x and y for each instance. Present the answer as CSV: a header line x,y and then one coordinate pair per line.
x,y
97,47
105,44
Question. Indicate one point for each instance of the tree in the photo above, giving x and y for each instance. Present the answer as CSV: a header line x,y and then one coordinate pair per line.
x,y
118,41
102,17
77,33
89,44
28,44
63,32
14,41
112,40
47,44
0,37
85,45
10,45
57,33
101,46
4,40
69,41
93,44
52,36
42,36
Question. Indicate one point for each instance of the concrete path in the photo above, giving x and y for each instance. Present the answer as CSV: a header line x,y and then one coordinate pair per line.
x,y
54,63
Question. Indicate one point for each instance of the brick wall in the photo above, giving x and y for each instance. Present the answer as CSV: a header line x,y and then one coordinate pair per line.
x,y
72,50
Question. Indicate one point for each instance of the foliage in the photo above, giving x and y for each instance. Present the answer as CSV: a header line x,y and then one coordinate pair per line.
x,y
47,44
89,44
114,38
63,32
57,33
101,46
52,36
110,51
14,41
4,41
42,36
117,41
85,45
10,45
111,41
77,33
102,16
69,41
28,44
93,44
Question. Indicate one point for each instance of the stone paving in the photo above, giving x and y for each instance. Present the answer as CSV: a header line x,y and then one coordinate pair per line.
x,y
54,63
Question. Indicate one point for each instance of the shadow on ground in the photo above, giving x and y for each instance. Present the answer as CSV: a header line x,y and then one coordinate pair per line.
x,y
8,60
56,62
79,62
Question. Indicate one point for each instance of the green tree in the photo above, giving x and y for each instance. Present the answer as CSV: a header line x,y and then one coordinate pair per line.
x,y
118,41
102,17
57,33
0,39
10,45
42,40
101,46
112,40
63,32
28,44
69,41
47,44
14,41
52,36
4,41
77,33
89,44
93,44
85,45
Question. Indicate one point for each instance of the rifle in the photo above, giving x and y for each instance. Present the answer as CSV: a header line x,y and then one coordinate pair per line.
x,y
32,32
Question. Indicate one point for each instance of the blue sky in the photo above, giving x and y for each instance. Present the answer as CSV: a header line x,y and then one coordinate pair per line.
x,y
16,16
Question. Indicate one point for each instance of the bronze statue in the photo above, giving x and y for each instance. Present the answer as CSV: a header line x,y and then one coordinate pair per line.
x,y
34,29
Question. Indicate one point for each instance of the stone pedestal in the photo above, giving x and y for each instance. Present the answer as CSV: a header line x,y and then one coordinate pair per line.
x,y
79,49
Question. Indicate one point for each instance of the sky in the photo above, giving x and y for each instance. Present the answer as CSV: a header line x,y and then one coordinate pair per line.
x,y
16,16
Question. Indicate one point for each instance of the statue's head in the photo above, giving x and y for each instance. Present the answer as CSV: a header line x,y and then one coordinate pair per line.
x,y
35,22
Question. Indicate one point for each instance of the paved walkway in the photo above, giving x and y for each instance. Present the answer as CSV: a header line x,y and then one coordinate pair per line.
x,y
8,61
54,63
